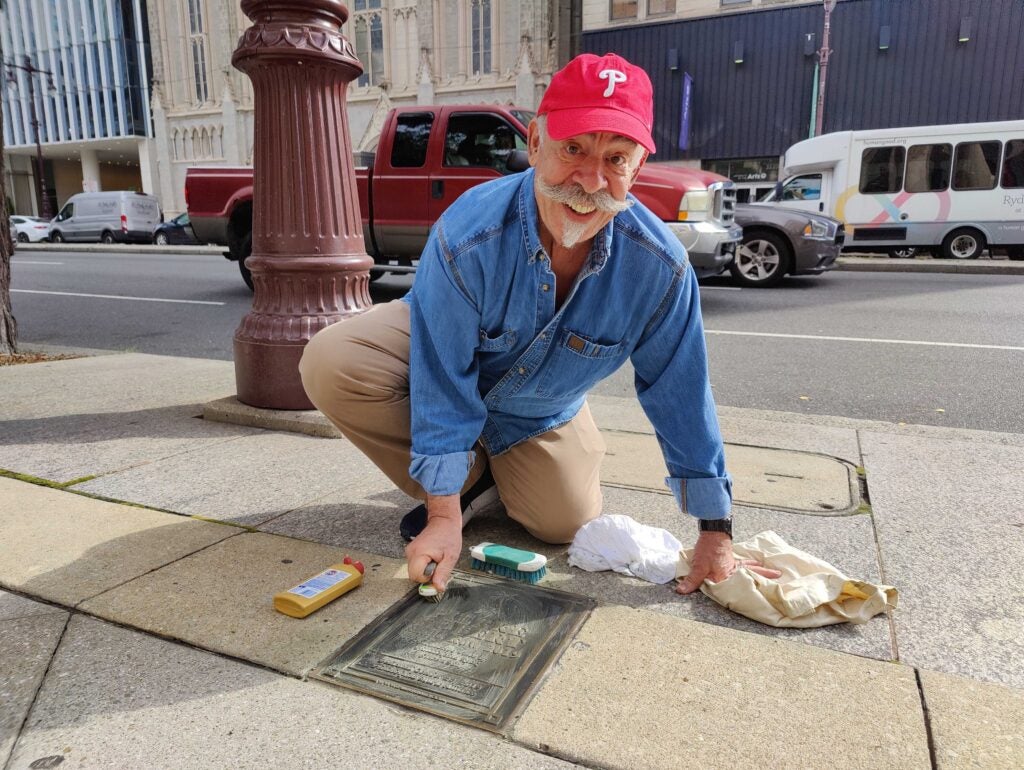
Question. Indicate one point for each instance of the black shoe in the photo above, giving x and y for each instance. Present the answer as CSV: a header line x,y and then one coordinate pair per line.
x,y
477,497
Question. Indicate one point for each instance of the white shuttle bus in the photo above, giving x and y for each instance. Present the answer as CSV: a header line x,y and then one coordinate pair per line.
x,y
955,190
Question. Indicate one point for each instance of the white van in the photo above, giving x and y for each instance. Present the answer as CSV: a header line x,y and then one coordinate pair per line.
x,y
956,189
107,217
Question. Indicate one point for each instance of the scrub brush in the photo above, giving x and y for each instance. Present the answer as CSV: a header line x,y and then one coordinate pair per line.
x,y
426,590
514,563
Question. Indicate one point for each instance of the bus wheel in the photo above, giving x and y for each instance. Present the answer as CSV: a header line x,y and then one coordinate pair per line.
x,y
1016,253
965,243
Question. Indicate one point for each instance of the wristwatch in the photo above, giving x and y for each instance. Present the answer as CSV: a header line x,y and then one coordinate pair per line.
x,y
716,525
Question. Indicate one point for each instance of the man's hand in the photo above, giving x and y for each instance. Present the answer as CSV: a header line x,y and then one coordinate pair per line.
x,y
440,542
712,560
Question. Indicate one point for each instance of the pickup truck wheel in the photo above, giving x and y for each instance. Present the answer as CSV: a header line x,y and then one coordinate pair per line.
x,y
965,243
762,260
244,251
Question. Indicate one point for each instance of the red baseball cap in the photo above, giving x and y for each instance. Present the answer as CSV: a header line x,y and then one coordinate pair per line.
x,y
600,93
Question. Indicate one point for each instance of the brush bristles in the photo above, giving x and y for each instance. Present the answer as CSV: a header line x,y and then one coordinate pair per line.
x,y
513,574
430,594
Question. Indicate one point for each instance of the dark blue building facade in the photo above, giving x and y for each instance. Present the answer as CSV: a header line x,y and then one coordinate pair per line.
x,y
893,63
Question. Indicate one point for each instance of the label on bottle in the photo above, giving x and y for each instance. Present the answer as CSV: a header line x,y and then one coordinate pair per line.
x,y
320,583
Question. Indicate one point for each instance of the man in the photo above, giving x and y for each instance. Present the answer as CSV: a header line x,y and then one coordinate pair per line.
x,y
531,289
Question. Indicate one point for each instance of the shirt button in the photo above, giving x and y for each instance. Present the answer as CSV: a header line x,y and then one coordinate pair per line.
x,y
545,287
522,370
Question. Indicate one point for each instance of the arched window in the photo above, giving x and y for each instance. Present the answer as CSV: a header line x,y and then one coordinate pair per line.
x,y
480,26
197,43
368,28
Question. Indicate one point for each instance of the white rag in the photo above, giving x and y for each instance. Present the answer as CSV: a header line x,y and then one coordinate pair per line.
x,y
619,543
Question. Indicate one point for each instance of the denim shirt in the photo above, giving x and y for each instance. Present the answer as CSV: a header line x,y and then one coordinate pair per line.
x,y
492,359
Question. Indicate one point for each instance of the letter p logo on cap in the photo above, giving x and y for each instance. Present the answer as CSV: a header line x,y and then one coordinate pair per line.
x,y
613,77
600,94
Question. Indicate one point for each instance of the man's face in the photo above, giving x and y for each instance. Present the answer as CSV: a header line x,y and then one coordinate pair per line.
x,y
581,182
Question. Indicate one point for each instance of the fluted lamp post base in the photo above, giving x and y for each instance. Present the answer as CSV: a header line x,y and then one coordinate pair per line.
x,y
309,264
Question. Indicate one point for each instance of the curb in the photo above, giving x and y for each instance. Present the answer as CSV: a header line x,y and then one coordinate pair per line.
x,y
929,265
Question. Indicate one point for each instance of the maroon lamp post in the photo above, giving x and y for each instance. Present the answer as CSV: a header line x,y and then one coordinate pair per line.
x,y
309,264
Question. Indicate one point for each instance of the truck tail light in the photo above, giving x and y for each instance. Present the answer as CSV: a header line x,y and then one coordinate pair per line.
x,y
694,206
124,223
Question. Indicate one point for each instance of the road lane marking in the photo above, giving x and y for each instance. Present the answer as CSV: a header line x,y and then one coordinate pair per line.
x,y
32,262
721,288
116,296
866,339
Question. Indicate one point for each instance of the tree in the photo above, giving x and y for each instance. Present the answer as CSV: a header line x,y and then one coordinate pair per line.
x,y
8,326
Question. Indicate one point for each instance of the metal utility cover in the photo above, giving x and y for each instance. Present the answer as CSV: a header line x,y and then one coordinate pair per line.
x,y
781,479
473,657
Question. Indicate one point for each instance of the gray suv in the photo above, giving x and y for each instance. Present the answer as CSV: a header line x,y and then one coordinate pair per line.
x,y
779,241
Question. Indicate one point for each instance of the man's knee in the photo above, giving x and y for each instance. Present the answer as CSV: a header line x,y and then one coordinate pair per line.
x,y
326,365
559,523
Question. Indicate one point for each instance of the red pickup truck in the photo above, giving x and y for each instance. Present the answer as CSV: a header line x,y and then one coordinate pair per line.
x,y
427,156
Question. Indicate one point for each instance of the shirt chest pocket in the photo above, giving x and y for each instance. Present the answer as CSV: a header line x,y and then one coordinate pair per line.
x,y
497,344
577,363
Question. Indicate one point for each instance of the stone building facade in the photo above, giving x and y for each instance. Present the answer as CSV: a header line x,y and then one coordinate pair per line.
x,y
413,51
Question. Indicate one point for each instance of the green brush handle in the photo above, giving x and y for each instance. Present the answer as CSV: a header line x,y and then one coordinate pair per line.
x,y
513,558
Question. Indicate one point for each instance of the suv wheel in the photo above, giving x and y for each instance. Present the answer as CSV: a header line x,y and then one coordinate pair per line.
x,y
107,237
964,243
161,239
907,252
762,260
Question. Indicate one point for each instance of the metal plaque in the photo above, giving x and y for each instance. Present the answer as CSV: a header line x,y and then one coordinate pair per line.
x,y
473,657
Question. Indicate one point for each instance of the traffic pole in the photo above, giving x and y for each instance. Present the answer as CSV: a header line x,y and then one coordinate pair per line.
x,y
309,263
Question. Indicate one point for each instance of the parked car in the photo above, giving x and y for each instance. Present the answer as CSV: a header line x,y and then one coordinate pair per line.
x,y
178,230
29,229
427,156
781,241
106,217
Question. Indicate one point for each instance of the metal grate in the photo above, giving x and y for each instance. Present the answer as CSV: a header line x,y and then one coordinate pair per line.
x,y
723,209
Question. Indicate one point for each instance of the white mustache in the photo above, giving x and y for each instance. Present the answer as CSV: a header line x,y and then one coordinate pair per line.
x,y
574,195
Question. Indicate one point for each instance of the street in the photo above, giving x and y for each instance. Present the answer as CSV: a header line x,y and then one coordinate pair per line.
x,y
934,349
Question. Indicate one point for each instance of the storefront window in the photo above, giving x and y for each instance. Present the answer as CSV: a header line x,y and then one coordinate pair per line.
x,y
623,9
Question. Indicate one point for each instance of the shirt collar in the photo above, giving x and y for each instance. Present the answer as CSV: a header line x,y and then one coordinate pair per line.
x,y
530,219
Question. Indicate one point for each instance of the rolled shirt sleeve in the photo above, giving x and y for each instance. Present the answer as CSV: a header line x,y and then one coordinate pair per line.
x,y
674,390
447,412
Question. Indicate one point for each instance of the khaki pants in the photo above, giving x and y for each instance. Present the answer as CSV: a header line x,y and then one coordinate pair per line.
x,y
357,373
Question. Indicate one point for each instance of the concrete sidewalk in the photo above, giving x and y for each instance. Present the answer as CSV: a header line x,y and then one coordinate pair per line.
x,y
142,545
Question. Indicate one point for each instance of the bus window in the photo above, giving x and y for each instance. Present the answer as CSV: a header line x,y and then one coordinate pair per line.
x,y
803,188
1013,164
975,165
928,167
881,170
